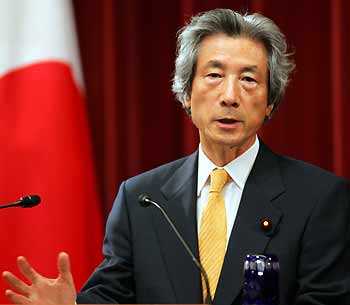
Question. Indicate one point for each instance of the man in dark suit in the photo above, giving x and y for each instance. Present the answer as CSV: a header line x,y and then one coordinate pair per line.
x,y
231,74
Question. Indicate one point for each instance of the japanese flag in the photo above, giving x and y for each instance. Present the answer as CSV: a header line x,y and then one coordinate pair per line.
x,y
45,142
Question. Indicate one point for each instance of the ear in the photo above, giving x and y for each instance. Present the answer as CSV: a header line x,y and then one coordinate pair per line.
x,y
269,110
187,101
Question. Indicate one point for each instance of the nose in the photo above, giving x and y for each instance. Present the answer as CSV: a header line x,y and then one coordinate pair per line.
x,y
230,94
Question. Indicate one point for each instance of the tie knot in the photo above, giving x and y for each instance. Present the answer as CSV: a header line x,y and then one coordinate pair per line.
x,y
218,178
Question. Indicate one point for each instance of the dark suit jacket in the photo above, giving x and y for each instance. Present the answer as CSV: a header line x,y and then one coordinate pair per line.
x,y
145,262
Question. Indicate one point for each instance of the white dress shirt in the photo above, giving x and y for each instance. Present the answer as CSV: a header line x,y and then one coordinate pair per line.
x,y
238,170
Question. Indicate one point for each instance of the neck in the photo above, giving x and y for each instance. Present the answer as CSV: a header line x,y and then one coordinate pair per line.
x,y
221,155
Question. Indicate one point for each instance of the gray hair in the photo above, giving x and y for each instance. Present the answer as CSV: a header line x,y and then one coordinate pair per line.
x,y
255,26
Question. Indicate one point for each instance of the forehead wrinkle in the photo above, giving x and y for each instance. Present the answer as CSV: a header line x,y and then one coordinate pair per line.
x,y
214,64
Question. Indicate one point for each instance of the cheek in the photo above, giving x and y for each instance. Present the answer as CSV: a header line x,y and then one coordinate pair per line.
x,y
259,103
257,111
196,119
201,110
199,114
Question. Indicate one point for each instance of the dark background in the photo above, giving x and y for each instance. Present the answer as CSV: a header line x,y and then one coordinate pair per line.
x,y
128,51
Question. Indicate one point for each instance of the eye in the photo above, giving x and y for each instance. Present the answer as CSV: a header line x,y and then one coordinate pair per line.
x,y
248,79
214,75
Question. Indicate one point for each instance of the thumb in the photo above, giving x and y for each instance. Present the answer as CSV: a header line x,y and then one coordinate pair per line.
x,y
64,267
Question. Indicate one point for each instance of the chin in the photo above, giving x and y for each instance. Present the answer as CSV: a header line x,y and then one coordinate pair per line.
x,y
229,143
237,143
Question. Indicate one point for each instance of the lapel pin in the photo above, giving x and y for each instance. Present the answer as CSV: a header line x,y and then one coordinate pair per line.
x,y
266,224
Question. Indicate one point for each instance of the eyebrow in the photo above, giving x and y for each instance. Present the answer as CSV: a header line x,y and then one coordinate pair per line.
x,y
252,68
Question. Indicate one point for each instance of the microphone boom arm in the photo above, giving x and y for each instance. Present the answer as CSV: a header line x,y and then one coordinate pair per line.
x,y
208,299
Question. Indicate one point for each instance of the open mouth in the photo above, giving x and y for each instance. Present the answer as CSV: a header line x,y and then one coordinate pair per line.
x,y
227,121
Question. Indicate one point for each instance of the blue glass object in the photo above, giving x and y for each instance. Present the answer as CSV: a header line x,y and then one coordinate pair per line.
x,y
261,280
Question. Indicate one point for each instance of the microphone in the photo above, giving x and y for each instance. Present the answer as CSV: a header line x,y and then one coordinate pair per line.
x,y
146,201
24,202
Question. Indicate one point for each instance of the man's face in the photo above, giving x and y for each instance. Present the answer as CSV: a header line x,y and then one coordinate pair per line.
x,y
229,92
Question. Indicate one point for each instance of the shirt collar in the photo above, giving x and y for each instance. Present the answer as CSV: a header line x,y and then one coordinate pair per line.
x,y
238,169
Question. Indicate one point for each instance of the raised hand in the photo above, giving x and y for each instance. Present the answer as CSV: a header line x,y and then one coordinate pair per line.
x,y
42,290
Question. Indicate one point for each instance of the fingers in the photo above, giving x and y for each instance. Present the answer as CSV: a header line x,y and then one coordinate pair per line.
x,y
16,298
26,269
64,267
16,283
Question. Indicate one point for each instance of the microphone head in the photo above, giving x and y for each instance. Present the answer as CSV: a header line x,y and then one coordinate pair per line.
x,y
144,200
30,201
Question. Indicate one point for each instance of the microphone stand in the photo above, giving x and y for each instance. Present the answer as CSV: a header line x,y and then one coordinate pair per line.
x,y
146,201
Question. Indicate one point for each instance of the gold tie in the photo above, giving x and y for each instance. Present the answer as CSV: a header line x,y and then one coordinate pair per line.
x,y
212,235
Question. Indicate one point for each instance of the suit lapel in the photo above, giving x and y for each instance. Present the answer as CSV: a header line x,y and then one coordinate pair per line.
x,y
180,203
263,185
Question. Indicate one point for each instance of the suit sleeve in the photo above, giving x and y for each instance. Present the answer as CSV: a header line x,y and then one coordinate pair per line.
x,y
324,260
112,281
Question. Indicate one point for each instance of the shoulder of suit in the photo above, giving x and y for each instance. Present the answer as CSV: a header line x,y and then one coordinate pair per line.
x,y
292,171
159,174
306,171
